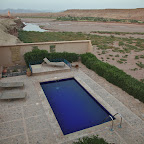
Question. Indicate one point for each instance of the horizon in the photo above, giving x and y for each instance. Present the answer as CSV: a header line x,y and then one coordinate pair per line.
x,y
75,4
17,10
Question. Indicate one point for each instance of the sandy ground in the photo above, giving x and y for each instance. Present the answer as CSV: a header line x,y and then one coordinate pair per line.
x,y
87,27
127,66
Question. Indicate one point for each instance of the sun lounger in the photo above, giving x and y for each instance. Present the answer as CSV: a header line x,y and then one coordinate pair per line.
x,y
11,84
59,64
12,95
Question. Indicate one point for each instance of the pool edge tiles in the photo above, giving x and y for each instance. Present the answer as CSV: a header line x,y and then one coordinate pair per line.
x,y
91,94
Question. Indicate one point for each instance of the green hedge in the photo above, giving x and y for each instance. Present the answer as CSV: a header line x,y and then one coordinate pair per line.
x,y
37,55
91,140
71,57
114,76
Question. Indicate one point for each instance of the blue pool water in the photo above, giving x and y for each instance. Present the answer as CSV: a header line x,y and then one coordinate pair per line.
x,y
74,108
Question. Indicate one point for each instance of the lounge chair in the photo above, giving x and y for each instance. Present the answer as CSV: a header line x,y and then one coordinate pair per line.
x,y
59,64
12,95
11,84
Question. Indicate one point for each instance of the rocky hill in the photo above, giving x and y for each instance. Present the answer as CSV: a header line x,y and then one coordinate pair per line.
x,y
9,30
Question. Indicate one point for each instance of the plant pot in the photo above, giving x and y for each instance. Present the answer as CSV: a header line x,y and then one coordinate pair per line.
x,y
76,66
4,71
28,73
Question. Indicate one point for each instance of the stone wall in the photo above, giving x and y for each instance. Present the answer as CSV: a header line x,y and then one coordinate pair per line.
x,y
13,54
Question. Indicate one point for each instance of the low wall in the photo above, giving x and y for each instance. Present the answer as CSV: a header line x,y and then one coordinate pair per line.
x,y
14,54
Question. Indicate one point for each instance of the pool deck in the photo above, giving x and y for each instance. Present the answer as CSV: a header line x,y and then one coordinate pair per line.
x,y
46,69
31,120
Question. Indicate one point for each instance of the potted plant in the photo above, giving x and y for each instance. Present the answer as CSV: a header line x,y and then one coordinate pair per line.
x,y
4,70
28,72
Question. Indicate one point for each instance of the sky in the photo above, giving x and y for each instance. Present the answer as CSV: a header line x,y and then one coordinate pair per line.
x,y
70,4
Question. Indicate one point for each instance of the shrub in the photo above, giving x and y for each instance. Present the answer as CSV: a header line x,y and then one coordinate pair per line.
x,y
119,61
117,55
91,140
121,43
71,57
142,56
123,59
114,76
37,56
136,57
140,64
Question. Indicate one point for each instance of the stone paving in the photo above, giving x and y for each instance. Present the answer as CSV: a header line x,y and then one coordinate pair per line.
x,y
43,69
31,120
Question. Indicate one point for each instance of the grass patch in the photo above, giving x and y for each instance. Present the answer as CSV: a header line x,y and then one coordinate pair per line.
x,y
117,33
97,19
103,52
123,59
91,140
121,43
136,57
134,69
140,64
119,61
102,42
125,56
117,55
142,56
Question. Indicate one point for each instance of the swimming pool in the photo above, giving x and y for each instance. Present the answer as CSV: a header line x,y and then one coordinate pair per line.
x,y
74,107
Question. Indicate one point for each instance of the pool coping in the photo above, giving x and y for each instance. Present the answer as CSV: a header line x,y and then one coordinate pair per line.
x,y
60,137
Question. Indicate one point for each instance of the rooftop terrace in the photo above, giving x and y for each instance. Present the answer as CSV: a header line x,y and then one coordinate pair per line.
x,y
32,121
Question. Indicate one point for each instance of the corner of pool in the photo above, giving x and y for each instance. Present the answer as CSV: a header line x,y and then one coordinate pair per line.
x,y
74,107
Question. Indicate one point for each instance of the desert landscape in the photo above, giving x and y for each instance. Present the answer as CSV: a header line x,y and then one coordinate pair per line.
x,y
112,72
121,53
125,50
136,14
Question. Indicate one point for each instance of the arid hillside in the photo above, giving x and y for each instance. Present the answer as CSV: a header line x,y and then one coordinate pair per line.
x,y
9,30
137,14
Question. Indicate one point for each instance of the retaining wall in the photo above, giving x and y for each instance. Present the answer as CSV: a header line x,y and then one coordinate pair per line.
x,y
14,54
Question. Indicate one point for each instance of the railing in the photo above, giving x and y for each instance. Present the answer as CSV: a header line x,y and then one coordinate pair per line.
x,y
111,117
68,63
120,125
112,121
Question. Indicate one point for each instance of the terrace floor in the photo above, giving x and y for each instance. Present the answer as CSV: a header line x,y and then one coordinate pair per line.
x,y
31,120
43,69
